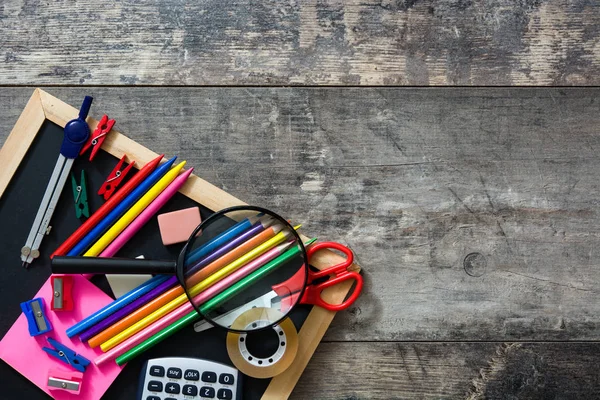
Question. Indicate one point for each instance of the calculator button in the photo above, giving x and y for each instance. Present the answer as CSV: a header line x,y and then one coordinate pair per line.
x,y
226,379
152,398
209,377
155,386
191,375
174,373
189,390
157,370
225,394
169,398
172,388
206,391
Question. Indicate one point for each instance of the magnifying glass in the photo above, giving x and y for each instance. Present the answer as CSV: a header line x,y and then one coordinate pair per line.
x,y
230,262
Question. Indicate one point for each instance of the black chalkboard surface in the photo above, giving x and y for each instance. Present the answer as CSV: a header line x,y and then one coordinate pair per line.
x,y
18,207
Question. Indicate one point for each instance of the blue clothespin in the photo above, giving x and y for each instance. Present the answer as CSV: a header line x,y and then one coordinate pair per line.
x,y
66,355
35,311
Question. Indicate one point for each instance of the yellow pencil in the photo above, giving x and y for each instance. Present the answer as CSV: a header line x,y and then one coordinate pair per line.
x,y
194,290
134,211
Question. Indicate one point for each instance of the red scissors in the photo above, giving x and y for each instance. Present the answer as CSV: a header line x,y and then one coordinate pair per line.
x,y
285,295
321,280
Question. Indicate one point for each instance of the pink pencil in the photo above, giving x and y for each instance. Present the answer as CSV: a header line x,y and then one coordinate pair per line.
x,y
145,215
187,307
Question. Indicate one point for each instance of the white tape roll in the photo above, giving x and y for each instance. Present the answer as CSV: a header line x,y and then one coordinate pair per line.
x,y
262,367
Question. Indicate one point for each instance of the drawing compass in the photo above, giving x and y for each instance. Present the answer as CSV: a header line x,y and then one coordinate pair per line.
x,y
76,134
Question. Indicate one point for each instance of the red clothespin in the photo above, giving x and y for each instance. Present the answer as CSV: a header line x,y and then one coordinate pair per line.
x,y
62,299
114,179
97,138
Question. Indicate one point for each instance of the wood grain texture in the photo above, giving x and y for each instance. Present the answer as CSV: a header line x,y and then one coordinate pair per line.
x,y
414,181
372,42
473,371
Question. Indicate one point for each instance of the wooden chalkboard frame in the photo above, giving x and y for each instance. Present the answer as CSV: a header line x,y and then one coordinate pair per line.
x,y
42,106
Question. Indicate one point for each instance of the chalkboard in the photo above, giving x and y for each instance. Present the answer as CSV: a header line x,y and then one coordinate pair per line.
x,y
18,206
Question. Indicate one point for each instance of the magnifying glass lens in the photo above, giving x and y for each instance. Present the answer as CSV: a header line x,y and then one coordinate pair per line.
x,y
244,258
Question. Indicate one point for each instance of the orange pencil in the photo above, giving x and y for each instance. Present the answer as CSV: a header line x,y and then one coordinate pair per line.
x,y
176,291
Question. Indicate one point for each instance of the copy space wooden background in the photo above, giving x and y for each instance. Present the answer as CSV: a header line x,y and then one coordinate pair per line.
x,y
474,212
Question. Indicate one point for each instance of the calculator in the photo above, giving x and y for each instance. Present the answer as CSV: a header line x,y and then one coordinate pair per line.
x,y
179,378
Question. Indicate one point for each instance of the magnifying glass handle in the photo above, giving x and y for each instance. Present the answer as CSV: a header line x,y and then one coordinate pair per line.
x,y
100,265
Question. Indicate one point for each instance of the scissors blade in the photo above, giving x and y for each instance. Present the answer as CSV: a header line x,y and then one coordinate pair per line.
x,y
227,319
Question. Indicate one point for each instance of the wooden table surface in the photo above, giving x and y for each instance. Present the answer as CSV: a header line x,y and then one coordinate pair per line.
x,y
474,211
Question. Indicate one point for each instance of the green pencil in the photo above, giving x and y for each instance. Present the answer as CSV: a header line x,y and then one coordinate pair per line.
x,y
211,304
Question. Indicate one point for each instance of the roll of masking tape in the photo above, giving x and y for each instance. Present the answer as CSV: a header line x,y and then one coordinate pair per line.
x,y
269,366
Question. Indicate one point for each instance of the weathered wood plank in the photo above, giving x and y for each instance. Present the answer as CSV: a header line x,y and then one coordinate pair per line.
x,y
414,180
473,371
371,42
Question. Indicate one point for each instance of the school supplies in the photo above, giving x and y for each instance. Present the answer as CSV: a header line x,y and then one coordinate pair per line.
x,y
35,312
208,306
25,354
107,207
146,214
109,309
64,354
193,289
96,139
69,381
62,299
134,211
76,132
187,308
212,262
177,226
80,196
114,179
286,298
121,208
38,124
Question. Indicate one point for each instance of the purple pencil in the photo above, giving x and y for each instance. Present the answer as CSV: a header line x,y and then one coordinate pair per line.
x,y
171,282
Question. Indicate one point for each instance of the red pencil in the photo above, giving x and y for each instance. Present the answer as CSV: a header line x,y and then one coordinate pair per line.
x,y
106,207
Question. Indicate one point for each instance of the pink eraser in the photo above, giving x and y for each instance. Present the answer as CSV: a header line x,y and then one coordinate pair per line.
x,y
177,226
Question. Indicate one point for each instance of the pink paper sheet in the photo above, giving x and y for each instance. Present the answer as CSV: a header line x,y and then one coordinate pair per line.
x,y
24,353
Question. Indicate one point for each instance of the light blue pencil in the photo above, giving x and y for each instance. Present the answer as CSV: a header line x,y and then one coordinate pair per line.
x,y
116,305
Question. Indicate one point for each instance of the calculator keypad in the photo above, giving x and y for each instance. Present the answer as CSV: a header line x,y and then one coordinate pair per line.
x,y
187,378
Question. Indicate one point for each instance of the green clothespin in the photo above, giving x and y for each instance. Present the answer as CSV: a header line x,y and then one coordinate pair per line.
x,y
80,195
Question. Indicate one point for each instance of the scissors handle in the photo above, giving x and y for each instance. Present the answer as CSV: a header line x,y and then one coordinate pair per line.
x,y
313,294
334,269
338,274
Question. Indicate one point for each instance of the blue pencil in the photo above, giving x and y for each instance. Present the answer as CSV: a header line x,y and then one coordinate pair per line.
x,y
219,240
120,209
116,305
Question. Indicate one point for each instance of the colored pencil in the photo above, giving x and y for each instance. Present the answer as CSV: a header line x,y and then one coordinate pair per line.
x,y
229,246
115,305
119,210
130,308
134,211
158,297
146,214
187,307
204,308
195,289
220,239
107,207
